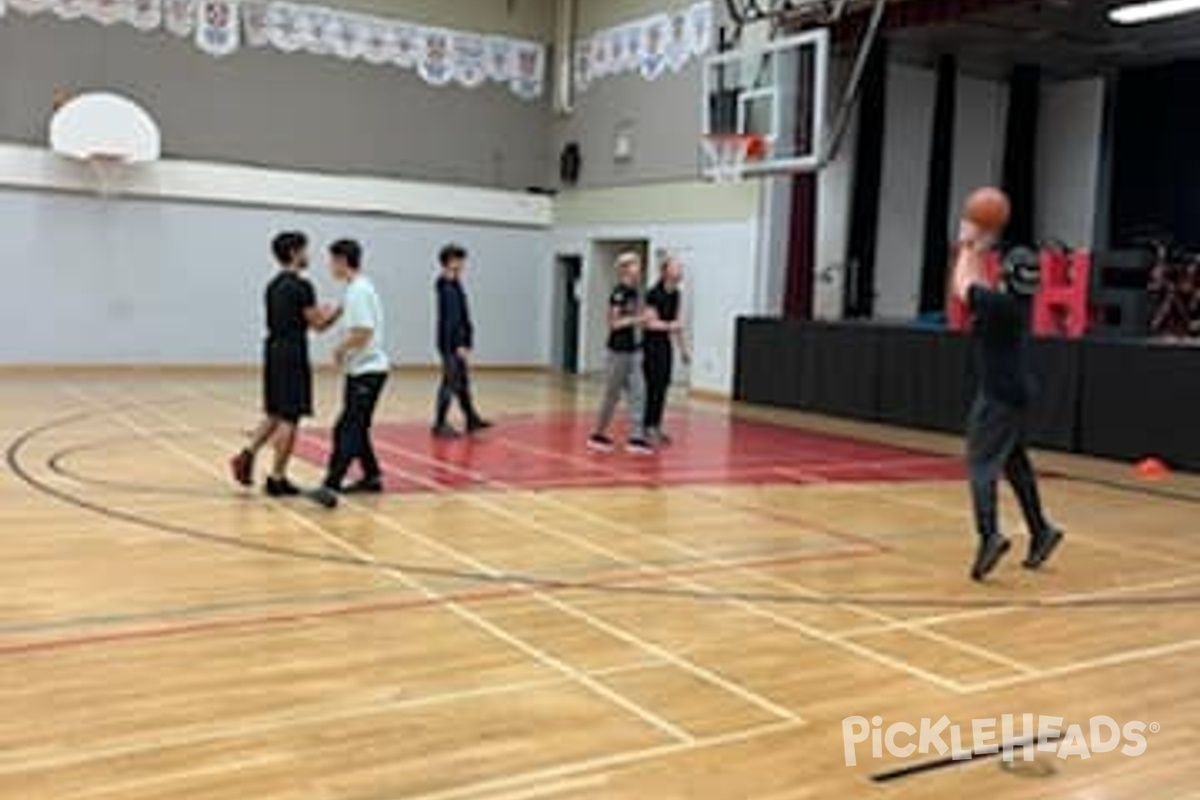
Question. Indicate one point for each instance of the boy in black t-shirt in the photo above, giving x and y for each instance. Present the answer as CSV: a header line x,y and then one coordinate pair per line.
x,y
292,310
996,430
625,319
664,332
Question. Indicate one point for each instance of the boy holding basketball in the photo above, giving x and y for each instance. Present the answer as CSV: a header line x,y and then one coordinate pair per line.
x,y
996,429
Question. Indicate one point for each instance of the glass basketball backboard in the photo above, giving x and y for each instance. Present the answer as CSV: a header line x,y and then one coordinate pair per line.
x,y
775,90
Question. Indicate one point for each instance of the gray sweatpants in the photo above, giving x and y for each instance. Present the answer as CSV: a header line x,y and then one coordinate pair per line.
x,y
624,376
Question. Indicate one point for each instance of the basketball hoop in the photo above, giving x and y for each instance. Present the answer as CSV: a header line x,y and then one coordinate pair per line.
x,y
107,133
727,154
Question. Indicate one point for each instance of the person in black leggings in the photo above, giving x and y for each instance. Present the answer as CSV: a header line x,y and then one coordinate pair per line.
x,y
663,333
996,429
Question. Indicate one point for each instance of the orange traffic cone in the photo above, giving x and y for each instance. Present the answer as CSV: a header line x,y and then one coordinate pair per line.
x,y
1152,469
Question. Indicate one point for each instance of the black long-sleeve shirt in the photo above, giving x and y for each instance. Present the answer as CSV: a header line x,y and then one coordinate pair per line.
x,y
454,329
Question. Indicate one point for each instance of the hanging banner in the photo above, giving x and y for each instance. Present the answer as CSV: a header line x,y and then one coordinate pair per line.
x,y
433,58
254,23
701,21
679,42
146,15
655,31
649,46
179,16
469,59
408,46
69,9
219,28
530,70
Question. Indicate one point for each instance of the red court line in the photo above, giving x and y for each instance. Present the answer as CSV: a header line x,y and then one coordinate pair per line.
x,y
613,579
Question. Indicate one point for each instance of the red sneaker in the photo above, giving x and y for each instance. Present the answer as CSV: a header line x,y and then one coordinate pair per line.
x,y
242,466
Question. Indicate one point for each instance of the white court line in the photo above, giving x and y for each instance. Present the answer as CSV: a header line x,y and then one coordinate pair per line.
x,y
201,734
607,762
701,673
459,610
1065,599
787,622
558,787
680,547
1115,659
965,513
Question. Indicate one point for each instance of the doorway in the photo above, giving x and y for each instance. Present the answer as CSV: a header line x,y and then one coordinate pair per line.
x,y
568,297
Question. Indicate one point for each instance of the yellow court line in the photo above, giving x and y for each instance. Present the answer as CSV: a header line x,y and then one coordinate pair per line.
x,y
456,608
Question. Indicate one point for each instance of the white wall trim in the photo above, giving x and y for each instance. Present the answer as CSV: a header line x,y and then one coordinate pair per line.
x,y
25,167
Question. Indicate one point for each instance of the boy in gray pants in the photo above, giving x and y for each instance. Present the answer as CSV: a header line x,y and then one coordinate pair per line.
x,y
625,319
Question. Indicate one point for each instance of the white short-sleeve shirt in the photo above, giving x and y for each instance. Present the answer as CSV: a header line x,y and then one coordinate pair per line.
x,y
361,309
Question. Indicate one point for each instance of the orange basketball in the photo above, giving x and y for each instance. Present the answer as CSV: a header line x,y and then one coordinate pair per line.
x,y
988,208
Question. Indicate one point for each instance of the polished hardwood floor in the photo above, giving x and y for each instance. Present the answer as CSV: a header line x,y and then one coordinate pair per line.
x,y
523,619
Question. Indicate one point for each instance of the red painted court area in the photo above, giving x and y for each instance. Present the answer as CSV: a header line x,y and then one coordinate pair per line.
x,y
545,452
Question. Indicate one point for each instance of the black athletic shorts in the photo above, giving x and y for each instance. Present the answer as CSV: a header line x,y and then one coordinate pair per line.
x,y
287,380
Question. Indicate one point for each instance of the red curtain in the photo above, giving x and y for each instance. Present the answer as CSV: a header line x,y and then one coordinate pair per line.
x,y
802,247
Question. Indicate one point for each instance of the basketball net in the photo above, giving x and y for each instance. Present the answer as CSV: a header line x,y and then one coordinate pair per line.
x,y
106,170
726,155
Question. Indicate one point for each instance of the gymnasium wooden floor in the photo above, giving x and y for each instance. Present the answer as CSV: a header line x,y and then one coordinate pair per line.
x,y
522,619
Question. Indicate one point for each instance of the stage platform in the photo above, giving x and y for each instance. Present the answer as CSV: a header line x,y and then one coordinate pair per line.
x,y
1110,398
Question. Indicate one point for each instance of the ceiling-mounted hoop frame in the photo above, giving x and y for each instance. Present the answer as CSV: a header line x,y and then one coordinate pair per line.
x,y
789,16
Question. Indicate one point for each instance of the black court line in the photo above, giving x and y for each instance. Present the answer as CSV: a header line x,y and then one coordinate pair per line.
x,y
932,765
15,462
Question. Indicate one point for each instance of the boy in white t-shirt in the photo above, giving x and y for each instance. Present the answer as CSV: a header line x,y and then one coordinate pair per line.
x,y
361,356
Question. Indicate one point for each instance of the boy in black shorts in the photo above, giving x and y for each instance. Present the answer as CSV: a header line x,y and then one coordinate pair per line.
x,y
996,430
292,310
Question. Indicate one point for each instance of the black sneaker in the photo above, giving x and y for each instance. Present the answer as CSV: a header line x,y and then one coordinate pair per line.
x,y
639,446
600,443
478,424
444,432
324,497
242,467
1041,546
991,550
281,487
364,486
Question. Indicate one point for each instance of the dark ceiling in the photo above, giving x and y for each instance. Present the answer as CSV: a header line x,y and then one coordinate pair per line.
x,y
1066,37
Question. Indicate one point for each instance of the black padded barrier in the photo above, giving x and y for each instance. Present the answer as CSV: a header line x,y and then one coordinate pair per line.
x,y
1123,400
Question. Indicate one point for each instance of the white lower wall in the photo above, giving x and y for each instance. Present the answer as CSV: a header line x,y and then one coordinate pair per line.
x,y
139,281
722,283
1070,120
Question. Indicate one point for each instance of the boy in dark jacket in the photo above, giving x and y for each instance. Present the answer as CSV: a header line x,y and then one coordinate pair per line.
x,y
455,338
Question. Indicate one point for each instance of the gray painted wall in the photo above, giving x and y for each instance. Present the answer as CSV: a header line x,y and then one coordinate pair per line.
x,y
128,281
665,118
264,107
